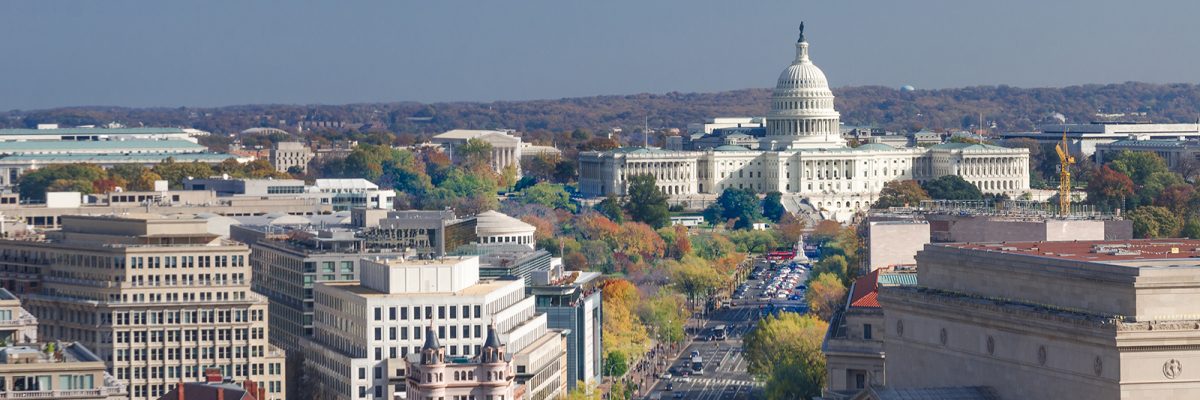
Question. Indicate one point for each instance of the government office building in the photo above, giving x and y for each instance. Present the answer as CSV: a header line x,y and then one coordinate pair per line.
x,y
159,299
803,155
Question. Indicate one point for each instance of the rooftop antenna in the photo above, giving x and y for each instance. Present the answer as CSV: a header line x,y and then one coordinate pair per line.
x,y
646,133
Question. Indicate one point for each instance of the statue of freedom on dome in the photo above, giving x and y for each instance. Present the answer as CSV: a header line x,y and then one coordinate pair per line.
x,y
801,32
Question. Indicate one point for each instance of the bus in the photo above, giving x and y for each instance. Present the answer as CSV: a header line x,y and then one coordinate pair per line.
x,y
718,332
697,365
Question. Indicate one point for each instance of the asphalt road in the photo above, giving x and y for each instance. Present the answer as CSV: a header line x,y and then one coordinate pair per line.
x,y
725,376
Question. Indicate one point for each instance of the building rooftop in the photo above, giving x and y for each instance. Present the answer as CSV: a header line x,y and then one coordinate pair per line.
x,y
490,223
119,158
481,288
34,353
98,145
1140,252
91,131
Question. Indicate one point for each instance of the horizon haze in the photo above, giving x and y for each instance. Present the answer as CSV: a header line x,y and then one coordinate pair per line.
x,y
205,54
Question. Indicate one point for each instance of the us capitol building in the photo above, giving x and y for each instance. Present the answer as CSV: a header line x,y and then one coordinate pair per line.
x,y
803,156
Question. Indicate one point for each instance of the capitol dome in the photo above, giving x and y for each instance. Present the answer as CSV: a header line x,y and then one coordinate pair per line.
x,y
802,114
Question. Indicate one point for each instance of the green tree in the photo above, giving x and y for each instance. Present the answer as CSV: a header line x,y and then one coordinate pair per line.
x,y
772,206
611,207
741,205
585,391
1191,229
835,264
785,350
616,363
549,195
905,193
62,177
646,202
1155,222
1138,165
952,187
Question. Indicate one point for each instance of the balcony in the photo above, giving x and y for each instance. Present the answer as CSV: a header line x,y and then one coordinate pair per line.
x,y
65,394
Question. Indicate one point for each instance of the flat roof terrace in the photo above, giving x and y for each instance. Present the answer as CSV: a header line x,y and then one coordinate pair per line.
x,y
1141,252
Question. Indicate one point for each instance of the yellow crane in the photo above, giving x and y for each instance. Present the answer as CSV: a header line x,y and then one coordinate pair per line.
x,y
1064,176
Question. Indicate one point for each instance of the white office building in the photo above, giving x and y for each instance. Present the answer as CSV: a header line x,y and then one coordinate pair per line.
x,y
365,329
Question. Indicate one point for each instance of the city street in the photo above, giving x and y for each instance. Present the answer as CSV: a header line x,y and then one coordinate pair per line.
x,y
725,374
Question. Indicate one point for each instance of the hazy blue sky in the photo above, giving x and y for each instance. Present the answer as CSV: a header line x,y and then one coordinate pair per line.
x,y
208,53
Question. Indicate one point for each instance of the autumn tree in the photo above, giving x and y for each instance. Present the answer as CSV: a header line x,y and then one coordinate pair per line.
x,y
1107,189
624,333
905,193
825,294
681,245
790,228
646,203
666,314
1177,198
785,350
694,279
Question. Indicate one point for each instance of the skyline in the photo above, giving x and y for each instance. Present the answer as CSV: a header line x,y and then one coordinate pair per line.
x,y
229,53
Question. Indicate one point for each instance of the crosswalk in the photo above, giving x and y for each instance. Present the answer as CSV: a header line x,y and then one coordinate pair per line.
x,y
718,382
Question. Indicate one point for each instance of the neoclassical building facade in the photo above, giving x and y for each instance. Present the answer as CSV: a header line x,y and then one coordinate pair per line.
x,y
804,155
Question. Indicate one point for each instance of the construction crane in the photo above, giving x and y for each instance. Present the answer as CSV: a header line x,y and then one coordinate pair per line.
x,y
1064,176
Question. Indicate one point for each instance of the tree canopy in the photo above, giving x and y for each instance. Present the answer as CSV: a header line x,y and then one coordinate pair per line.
x,y
772,206
785,350
739,205
952,187
905,193
646,202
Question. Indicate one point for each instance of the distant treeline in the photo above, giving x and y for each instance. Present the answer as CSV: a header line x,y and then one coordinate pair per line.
x,y
1008,108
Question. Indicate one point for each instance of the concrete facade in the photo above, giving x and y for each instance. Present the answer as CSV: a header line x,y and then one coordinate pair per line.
x,y
158,298
365,330
67,371
1078,319
288,155
895,242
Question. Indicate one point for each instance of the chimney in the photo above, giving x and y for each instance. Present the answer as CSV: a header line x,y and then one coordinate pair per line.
x,y
220,393
213,375
262,394
180,391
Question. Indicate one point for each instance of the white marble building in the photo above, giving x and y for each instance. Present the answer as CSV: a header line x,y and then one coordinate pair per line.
x,y
803,155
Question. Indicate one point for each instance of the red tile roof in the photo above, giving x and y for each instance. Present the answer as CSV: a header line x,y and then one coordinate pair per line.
x,y
865,290
1097,250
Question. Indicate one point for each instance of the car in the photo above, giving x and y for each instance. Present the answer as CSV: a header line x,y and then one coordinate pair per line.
x,y
665,375
739,296
678,395
795,297
670,386
781,296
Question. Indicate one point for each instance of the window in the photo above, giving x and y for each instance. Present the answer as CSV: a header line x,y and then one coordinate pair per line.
x,y
867,331
860,380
